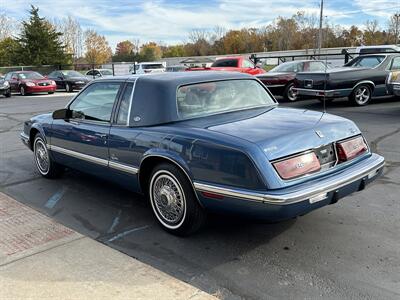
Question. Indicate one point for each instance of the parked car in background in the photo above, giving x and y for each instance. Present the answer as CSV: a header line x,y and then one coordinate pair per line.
x,y
232,64
393,83
361,79
98,73
204,141
176,68
5,88
149,67
280,80
69,80
363,50
30,82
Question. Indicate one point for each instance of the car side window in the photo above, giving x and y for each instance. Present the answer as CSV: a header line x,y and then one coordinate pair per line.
x,y
90,73
96,102
123,111
317,66
395,64
247,64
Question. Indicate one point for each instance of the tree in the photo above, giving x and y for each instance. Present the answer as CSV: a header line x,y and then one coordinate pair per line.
x,y
150,52
97,49
72,36
8,26
174,51
40,42
124,51
8,49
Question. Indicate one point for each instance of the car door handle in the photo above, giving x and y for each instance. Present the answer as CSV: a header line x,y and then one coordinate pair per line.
x,y
101,135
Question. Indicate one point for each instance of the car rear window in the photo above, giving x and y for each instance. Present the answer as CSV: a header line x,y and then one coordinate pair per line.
x,y
226,63
153,66
209,98
366,61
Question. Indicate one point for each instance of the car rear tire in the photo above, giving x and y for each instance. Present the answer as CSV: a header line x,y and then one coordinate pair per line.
x,y
361,95
68,88
8,94
174,202
289,94
46,166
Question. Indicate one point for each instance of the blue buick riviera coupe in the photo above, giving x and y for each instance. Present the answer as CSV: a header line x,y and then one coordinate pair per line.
x,y
204,141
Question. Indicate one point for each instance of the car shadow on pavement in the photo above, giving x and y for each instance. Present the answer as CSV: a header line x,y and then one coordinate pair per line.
x,y
123,220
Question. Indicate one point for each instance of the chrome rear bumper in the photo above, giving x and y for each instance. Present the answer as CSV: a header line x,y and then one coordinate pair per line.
x,y
366,169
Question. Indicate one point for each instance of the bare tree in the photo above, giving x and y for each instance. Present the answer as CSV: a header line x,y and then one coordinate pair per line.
x,y
72,36
394,28
8,26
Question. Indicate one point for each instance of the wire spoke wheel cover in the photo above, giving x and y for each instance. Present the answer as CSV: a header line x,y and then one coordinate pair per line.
x,y
168,199
41,156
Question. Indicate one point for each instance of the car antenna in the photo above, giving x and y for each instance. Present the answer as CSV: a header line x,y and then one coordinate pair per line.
x,y
325,79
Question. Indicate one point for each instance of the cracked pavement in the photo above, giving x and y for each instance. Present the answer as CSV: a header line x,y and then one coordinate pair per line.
x,y
350,250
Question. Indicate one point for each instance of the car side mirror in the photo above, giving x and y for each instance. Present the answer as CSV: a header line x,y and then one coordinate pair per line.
x,y
62,114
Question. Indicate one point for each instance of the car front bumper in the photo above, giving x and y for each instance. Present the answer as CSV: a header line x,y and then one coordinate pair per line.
x,y
394,89
290,202
40,89
4,90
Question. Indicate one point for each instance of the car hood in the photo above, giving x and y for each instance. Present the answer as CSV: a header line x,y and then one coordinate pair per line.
x,y
280,132
77,78
274,74
36,80
338,70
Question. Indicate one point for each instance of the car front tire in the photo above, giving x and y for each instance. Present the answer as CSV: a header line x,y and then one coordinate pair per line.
x,y
361,95
8,94
22,90
174,202
46,166
68,88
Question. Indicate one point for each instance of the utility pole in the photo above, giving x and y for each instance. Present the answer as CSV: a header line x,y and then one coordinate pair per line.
x,y
396,31
320,27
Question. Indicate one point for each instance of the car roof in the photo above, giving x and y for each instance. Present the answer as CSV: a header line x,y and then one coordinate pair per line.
x,y
159,91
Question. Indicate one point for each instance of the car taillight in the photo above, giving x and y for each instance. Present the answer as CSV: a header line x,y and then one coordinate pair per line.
x,y
350,149
297,166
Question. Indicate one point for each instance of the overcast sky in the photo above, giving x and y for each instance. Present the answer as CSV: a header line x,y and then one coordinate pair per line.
x,y
171,21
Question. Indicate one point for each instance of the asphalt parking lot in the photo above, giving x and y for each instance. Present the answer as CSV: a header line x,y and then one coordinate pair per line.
x,y
350,250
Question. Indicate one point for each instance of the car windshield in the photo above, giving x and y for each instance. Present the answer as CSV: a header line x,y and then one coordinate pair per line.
x,y
227,62
288,67
71,74
152,66
106,72
366,62
30,75
202,99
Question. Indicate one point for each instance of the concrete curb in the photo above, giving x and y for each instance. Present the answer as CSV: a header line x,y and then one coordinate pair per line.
x,y
41,259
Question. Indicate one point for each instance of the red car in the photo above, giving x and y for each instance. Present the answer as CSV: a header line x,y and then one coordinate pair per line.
x,y
280,80
29,82
234,63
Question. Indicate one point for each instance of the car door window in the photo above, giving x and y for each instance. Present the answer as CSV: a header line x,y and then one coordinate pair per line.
x,y
90,73
395,64
317,66
123,111
96,102
247,64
